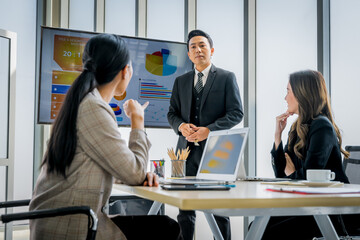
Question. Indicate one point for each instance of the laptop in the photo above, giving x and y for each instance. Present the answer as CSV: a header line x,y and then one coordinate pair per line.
x,y
221,161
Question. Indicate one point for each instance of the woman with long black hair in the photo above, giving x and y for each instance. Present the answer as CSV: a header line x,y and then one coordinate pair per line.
x,y
86,152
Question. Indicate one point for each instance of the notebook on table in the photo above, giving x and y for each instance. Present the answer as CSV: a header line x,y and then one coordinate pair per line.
x,y
190,187
221,160
264,179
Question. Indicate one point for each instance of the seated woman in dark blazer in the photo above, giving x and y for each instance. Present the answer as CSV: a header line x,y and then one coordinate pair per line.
x,y
314,142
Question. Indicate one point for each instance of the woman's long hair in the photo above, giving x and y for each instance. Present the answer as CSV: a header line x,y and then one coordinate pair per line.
x,y
310,91
104,56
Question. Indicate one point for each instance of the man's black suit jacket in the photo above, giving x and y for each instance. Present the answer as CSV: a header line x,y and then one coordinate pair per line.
x,y
220,107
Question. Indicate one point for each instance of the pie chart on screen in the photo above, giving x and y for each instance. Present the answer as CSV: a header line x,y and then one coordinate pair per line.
x,y
161,63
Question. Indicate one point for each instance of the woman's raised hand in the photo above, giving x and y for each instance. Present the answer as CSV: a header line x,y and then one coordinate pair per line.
x,y
135,111
133,107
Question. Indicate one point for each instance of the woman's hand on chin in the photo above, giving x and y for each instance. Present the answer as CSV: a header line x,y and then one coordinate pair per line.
x,y
281,121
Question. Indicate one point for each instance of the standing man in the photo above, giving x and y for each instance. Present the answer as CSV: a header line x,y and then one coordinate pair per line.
x,y
203,100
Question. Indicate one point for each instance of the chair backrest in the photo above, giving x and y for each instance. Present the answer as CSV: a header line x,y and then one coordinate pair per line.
x,y
352,164
46,213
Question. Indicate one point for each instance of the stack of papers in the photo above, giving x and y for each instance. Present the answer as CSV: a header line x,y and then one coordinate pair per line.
x,y
310,190
306,183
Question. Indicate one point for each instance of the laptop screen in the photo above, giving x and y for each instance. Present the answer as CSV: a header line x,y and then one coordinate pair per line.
x,y
223,152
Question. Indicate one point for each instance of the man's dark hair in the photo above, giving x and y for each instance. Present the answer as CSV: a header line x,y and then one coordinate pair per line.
x,y
198,32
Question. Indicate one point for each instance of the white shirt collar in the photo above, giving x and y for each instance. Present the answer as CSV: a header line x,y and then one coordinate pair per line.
x,y
205,72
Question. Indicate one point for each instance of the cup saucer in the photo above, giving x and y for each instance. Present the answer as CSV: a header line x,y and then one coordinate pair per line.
x,y
321,184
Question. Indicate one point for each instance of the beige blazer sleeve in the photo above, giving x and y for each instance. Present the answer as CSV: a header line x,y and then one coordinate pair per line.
x,y
100,139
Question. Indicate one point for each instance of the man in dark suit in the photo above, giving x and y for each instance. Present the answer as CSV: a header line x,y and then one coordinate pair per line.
x,y
203,100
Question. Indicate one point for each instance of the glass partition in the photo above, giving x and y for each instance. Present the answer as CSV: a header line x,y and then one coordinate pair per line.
x,y
82,15
165,19
4,96
2,197
345,84
166,25
8,45
4,119
224,22
286,38
124,23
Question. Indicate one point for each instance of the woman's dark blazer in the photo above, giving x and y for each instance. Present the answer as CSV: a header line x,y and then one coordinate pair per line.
x,y
322,151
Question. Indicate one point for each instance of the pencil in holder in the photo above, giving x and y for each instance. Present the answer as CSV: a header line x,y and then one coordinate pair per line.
x,y
178,168
158,167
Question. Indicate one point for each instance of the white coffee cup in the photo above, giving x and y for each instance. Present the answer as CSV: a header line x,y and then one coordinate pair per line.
x,y
319,175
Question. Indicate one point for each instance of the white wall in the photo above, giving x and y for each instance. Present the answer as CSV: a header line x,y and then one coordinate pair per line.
x,y
345,62
22,20
286,42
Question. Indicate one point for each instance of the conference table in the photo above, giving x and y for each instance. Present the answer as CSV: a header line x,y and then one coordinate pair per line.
x,y
249,198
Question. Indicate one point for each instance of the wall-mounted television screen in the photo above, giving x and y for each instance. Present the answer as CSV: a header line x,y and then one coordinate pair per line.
x,y
156,64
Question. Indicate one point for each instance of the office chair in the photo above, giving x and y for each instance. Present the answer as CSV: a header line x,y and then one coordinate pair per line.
x,y
352,164
46,213
352,170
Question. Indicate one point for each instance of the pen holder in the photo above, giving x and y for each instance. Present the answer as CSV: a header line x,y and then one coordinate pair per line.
x,y
158,167
178,168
